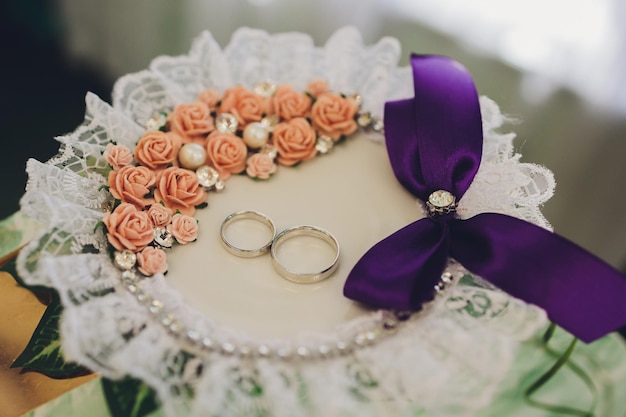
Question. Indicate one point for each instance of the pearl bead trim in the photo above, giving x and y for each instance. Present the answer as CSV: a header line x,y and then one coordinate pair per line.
x,y
386,324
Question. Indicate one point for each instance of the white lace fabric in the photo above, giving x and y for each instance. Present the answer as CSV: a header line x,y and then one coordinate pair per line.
x,y
447,360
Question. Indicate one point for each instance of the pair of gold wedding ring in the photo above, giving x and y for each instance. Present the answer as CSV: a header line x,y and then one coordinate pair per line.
x,y
273,245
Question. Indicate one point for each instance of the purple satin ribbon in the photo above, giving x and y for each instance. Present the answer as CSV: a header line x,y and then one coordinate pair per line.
x,y
434,142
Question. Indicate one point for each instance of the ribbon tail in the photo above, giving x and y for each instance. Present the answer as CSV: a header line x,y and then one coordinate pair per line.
x,y
400,271
578,291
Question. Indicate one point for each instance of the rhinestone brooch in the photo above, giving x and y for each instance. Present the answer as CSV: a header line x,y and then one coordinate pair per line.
x,y
441,202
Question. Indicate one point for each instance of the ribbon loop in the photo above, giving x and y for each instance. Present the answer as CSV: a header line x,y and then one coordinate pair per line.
x,y
441,128
434,142
419,249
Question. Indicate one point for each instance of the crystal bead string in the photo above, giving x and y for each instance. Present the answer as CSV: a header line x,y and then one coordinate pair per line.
x,y
384,326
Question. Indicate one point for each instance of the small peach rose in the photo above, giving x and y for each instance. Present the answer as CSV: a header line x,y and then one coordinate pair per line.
x,y
159,215
244,104
152,261
333,115
317,87
287,103
132,184
260,166
193,122
118,155
179,189
128,228
295,141
157,150
211,98
226,153
184,228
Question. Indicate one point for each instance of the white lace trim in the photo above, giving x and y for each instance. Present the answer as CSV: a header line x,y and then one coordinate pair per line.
x,y
446,360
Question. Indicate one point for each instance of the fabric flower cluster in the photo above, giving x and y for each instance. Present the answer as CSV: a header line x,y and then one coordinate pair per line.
x,y
197,146
154,201
251,131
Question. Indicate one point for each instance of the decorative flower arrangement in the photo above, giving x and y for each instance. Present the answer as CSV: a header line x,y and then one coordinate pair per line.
x,y
197,146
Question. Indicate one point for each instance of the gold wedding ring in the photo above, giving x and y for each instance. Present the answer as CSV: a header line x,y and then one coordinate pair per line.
x,y
241,215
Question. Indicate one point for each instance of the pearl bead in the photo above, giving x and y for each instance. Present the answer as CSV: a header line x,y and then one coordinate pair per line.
x,y
191,155
255,135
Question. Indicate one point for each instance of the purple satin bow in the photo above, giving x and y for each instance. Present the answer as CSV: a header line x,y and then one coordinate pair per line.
x,y
434,142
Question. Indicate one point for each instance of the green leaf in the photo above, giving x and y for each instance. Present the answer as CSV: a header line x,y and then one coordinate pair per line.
x,y
39,290
10,240
98,225
563,360
43,352
129,397
56,241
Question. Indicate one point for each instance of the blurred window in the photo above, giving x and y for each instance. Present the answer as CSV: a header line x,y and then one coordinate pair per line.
x,y
576,43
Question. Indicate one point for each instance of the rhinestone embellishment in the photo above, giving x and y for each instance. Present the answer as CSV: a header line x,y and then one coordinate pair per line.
x,y
365,119
265,88
156,122
270,121
163,237
358,99
226,123
270,150
209,178
324,144
125,259
378,126
444,282
441,202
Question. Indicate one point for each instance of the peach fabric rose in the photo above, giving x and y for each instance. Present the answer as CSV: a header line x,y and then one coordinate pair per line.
x,y
211,98
245,105
287,103
118,156
260,166
132,184
128,228
184,228
295,141
317,87
333,115
179,189
157,150
193,122
226,153
152,261
159,215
